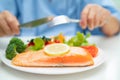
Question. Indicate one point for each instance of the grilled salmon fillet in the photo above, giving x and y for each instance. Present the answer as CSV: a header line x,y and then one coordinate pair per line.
x,y
75,57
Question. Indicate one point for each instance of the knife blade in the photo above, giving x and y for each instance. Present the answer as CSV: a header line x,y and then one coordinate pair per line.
x,y
37,22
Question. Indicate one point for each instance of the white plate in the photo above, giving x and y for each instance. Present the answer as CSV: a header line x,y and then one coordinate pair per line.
x,y
59,70
55,70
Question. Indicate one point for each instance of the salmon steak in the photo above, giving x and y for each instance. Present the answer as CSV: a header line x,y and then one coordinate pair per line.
x,y
76,56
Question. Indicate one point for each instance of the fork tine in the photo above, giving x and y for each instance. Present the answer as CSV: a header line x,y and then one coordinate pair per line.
x,y
62,19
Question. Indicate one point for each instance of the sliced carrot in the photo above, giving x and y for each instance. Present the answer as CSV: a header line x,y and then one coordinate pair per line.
x,y
61,38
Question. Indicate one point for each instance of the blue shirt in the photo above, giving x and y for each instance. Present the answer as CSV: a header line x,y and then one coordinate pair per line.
x,y
28,10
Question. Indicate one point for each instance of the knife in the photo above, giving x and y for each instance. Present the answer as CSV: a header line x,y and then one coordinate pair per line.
x,y
37,22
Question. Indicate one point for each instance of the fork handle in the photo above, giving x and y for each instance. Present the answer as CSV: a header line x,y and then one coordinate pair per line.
x,y
74,20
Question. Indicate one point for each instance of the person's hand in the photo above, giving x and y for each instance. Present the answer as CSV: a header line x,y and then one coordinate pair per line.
x,y
93,16
8,24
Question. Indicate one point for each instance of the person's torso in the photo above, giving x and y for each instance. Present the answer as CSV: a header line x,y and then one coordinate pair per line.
x,y
28,10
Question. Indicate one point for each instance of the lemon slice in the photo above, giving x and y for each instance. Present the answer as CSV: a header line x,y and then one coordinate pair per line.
x,y
56,49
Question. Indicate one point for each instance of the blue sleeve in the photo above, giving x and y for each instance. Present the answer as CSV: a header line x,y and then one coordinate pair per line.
x,y
108,4
9,5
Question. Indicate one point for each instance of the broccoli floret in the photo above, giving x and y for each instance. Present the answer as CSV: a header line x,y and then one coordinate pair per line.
x,y
11,51
14,47
20,46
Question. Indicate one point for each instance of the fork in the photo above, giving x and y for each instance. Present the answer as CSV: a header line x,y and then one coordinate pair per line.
x,y
62,19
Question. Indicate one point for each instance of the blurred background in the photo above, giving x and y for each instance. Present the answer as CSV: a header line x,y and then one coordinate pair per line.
x,y
117,3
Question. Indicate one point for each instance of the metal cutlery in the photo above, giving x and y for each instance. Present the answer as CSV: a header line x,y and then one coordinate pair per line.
x,y
37,22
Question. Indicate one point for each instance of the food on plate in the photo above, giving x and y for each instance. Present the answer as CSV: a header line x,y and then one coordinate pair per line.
x,y
52,51
36,44
92,49
14,47
75,57
56,49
